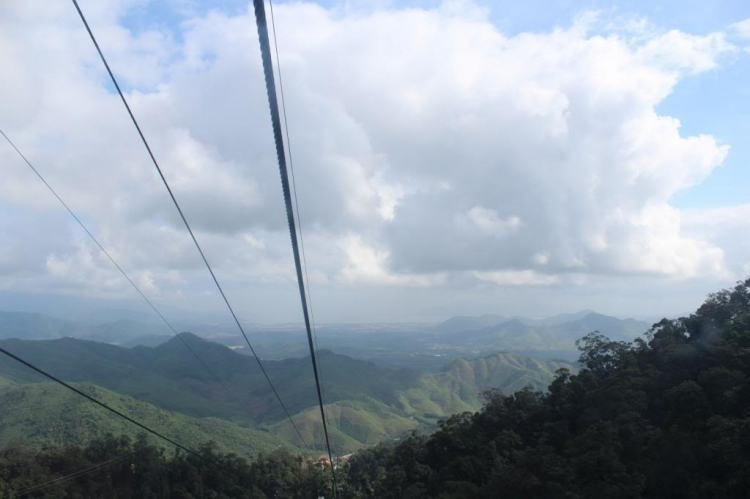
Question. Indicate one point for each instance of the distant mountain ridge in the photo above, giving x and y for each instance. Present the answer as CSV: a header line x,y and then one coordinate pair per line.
x,y
33,326
460,323
523,334
36,326
421,346
371,403
468,323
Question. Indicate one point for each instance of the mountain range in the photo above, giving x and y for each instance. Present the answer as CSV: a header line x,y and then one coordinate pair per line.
x,y
523,334
424,346
47,414
366,403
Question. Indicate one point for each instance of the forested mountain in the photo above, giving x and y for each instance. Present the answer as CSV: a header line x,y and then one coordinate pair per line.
x,y
366,402
667,417
557,333
138,469
46,414
394,345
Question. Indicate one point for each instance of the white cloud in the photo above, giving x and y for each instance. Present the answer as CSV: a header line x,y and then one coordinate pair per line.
x,y
488,222
517,278
741,29
680,51
367,265
727,228
429,147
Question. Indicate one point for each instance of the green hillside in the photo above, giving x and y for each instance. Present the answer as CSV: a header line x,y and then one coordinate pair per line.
x,y
666,418
367,403
420,400
45,414
169,376
164,377
352,425
457,388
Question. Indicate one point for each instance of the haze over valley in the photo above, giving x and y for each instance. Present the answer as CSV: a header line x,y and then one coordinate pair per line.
x,y
384,381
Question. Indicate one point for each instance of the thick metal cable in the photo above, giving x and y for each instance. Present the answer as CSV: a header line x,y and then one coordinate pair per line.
x,y
265,49
296,203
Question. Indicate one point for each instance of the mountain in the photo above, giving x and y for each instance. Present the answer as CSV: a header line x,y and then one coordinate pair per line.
x,y
368,403
47,414
167,376
557,333
558,319
612,327
421,399
469,323
121,331
664,418
421,346
33,326
147,341
458,386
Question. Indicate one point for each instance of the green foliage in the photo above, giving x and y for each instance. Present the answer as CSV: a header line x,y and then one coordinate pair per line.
x,y
47,414
141,470
666,418
366,403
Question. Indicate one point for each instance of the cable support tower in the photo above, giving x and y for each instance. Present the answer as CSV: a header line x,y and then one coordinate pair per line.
x,y
182,215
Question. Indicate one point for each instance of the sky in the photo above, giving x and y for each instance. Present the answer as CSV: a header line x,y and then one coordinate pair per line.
x,y
450,157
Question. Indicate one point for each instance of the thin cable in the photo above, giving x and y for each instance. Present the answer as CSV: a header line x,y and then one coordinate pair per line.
x,y
76,469
81,471
124,274
296,202
182,215
265,49
102,404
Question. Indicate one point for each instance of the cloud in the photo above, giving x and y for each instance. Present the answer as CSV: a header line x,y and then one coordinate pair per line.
x,y
680,51
488,222
368,265
517,278
429,147
726,227
741,29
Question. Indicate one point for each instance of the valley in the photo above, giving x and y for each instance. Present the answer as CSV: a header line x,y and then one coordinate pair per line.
x,y
381,381
366,402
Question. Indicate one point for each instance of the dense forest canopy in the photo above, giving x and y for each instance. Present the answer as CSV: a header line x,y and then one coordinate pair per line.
x,y
139,470
667,416
663,417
